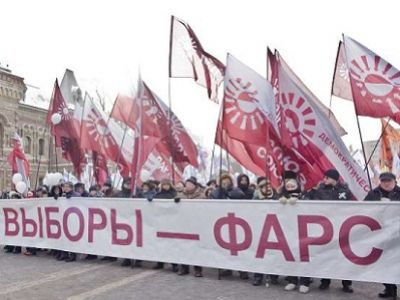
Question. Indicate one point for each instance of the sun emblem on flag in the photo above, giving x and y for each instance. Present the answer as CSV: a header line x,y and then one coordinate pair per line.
x,y
299,118
344,72
242,106
64,112
150,107
376,77
98,129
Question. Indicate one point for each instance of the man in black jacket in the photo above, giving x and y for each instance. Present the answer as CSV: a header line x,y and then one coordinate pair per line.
x,y
388,190
331,189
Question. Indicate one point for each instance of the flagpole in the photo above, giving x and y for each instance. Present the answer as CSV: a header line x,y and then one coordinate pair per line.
x,y
170,100
359,129
80,131
55,153
138,136
49,156
377,143
222,137
40,160
171,148
333,81
212,159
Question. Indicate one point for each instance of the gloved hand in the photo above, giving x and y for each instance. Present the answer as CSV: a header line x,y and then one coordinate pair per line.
x,y
283,200
177,200
292,200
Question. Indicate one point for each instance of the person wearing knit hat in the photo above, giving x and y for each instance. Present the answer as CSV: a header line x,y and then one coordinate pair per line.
x,y
292,192
264,191
386,191
331,189
193,191
166,191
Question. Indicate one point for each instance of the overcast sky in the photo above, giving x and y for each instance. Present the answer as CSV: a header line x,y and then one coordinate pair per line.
x,y
105,42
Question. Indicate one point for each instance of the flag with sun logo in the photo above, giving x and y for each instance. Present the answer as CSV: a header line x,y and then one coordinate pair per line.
x,y
341,81
374,83
95,134
65,132
248,117
189,60
173,139
313,135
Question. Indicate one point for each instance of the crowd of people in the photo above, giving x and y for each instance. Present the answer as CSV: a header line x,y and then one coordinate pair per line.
x,y
330,188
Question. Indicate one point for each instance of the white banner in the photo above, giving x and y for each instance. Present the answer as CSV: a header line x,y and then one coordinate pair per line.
x,y
322,239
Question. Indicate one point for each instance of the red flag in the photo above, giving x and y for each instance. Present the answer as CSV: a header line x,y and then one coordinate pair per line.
x,y
249,116
374,83
100,168
18,160
158,167
66,132
189,60
123,110
314,137
155,116
96,135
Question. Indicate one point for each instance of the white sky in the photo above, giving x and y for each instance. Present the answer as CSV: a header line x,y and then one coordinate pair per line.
x,y
106,42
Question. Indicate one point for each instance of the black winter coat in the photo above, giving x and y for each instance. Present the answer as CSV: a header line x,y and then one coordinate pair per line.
x,y
329,192
232,193
377,194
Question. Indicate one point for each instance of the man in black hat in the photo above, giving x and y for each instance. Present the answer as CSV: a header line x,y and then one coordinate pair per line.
x,y
388,190
331,189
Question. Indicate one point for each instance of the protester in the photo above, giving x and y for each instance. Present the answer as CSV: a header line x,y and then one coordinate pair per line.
x,y
68,192
107,190
166,191
226,190
291,192
9,248
179,187
243,183
126,192
388,190
79,188
264,191
331,189
95,192
192,190
147,190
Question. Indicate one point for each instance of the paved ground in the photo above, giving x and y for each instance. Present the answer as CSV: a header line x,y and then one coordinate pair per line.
x,y
42,277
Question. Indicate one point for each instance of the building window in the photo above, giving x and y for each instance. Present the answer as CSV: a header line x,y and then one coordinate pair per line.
x,y
41,146
27,144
